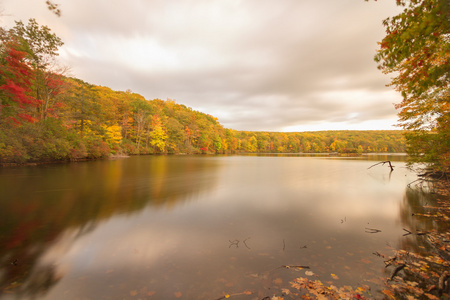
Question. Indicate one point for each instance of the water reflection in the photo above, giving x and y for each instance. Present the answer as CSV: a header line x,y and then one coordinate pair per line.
x,y
39,205
172,227
417,203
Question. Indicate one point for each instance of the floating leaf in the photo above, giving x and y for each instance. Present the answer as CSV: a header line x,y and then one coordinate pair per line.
x,y
334,276
389,294
178,294
309,273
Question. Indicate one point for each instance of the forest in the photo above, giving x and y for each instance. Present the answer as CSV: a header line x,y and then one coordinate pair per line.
x,y
46,115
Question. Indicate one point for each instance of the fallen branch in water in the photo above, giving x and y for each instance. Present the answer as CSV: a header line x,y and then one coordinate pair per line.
x,y
396,270
245,243
234,243
417,232
290,267
298,267
383,163
372,230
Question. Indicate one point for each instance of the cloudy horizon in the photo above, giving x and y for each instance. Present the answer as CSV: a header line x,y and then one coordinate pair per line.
x,y
289,65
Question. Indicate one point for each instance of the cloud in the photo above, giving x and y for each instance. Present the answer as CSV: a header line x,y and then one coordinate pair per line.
x,y
256,66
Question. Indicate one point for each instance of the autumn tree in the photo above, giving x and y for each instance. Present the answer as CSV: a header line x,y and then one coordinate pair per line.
x,y
158,134
41,46
141,112
83,108
16,101
416,50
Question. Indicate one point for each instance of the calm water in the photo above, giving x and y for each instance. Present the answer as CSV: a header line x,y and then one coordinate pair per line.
x,y
198,227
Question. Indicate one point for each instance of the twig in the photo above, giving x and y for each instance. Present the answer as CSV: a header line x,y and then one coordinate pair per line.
x,y
234,243
378,254
408,232
390,261
244,241
298,267
290,267
372,230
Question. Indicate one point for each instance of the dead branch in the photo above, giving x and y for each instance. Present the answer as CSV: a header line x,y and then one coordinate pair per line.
x,y
383,163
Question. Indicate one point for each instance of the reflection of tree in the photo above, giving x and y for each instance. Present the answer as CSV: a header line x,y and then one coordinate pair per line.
x,y
78,196
417,203
37,282
19,270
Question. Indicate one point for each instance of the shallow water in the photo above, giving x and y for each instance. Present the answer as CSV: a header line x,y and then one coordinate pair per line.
x,y
199,227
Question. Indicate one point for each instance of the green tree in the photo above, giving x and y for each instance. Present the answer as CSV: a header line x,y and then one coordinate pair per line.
x,y
416,49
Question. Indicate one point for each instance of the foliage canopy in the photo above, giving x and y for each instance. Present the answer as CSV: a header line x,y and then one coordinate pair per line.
x,y
416,50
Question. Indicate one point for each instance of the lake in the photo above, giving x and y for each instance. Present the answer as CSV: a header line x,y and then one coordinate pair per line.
x,y
201,227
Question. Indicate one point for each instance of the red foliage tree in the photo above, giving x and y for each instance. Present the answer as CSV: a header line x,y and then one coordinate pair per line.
x,y
16,103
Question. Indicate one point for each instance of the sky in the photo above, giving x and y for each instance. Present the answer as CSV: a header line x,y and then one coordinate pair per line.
x,y
275,65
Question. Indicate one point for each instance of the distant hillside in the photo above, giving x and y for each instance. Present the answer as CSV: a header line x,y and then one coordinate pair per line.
x,y
85,121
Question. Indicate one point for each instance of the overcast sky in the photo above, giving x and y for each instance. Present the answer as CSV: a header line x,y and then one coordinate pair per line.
x,y
275,65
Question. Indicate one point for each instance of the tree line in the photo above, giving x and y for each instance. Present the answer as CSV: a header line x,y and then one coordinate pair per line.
x,y
47,116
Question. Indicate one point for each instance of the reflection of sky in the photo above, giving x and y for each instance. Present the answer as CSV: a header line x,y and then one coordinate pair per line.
x,y
273,202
